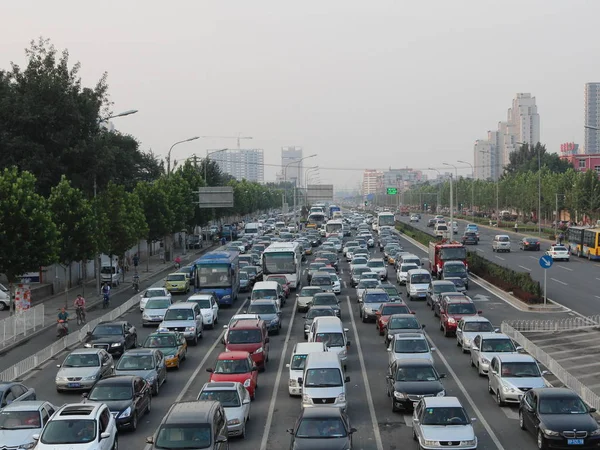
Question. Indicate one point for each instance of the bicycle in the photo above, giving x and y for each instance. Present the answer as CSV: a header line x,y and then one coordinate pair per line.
x,y
80,311
105,301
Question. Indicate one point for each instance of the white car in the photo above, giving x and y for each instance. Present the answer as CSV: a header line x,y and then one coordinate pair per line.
x,y
470,326
409,346
154,311
152,292
240,245
4,298
558,253
14,434
455,227
209,307
337,284
486,346
414,218
235,400
402,272
358,261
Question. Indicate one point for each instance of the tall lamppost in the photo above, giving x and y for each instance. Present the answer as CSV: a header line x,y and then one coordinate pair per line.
x,y
169,154
121,114
437,207
298,161
472,184
539,185
306,179
456,172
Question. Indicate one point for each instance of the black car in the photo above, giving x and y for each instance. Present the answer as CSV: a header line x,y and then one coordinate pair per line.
x,y
11,392
431,223
409,380
530,243
314,312
328,299
321,427
558,418
114,337
437,288
470,238
128,398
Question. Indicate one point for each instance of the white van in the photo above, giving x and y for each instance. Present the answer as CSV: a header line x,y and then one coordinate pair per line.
x,y
411,259
441,230
417,282
332,333
296,365
323,382
501,243
268,290
252,230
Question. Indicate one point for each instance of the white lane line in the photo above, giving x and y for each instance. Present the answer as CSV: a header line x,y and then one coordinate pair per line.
x,y
510,412
198,368
363,369
501,258
558,281
407,420
265,438
566,268
526,268
480,250
597,278
596,296
476,410
533,257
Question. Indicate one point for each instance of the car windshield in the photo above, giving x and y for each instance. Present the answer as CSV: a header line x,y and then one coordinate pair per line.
x,y
231,366
262,309
461,308
264,294
19,420
158,304
452,415
359,261
453,253
368,284
321,281
108,330
391,291
369,276
376,264
203,303
82,360
485,327
520,370
557,248
454,268
411,346
394,309
108,392
244,336
407,267
325,300
319,312
176,277
321,428
403,323
243,275
503,239
328,377
531,240
420,278
154,293
160,342
562,405
179,314
497,345
418,373
330,339
135,362
309,292
316,266
70,431
184,436
228,398
334,278
357,272
298,362
377,297
442,288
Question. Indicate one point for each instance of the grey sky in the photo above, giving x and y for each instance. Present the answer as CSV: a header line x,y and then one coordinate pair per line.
x,y
365,84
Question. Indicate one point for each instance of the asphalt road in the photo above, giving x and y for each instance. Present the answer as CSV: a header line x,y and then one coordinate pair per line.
x,y
568,283
274,411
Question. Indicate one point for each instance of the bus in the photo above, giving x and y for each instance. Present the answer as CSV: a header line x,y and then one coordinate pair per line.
x,y
591,243
283,258
574,240
217,272
317,209
316,220
384,219
334,228
333,209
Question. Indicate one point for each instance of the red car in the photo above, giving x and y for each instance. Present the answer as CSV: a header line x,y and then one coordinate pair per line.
x,y
249,336
236,366
386,310
452,309
283,282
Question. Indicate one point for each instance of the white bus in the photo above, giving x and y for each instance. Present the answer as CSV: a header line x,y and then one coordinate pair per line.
x,y
283,258
334,228
384,219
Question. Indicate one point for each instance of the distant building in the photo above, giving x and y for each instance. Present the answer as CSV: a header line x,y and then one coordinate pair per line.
x,y
485,154
290,158
591,142
372,182
569,148
583,161
241,164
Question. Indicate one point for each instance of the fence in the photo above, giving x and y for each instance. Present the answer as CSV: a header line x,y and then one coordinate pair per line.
x,y
571,323
556,369
33,361
18,326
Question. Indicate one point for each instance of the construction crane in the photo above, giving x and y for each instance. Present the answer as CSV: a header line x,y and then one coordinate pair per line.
x,y
238,137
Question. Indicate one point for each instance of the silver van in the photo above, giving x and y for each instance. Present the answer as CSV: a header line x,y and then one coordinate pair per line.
x,y
323,381
332,333
417,282
501,243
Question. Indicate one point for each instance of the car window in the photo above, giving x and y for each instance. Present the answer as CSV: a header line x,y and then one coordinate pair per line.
x,y
104,420
18,390
8,398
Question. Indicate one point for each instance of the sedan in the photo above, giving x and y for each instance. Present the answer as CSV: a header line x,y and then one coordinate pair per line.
x,y
11,392
155,310
410,380
529,243
486,346
328,299
150,293
558,253
313,313
385,311
147,363
82,368
235,399
19,421
171,344
322,427
470,238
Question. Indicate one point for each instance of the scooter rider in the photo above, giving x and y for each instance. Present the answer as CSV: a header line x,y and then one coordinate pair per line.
x,y
62,322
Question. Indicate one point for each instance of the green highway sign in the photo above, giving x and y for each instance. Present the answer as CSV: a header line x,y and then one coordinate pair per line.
x,y
392,191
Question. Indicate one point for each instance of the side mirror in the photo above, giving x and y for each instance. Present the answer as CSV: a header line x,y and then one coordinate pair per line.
x,y
442,375
474,347
255,369
480,312
378,313
347,380
347,344
287,366
104,436
300,381
592,410
352,430
246,401
389,349
442,311
423,326
221,439
473,419
89,333
497,330
35,437
304,317
290,430
545,372
58,365
433,349
225,326
519,348
346,330
267,340
210,370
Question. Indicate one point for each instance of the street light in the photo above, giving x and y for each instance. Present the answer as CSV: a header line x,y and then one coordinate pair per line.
x,y
306,178
298,161
456,172
437,207
472,184
177,143
539,186
122,114
206,162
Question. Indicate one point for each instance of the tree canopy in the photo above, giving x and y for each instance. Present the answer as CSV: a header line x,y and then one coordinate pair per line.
x,y
525,159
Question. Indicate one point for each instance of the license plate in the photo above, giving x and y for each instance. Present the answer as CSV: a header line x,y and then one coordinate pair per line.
x,y
575,441
74,385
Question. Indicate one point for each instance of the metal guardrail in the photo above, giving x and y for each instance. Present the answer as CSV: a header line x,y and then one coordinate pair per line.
x,y
567,324
588,396
18,326
40,357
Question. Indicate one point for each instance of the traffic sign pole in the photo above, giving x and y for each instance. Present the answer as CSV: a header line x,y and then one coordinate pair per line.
x,y
545,289
546,262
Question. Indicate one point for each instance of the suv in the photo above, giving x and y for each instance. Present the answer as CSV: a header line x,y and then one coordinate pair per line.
x,y
114,337
501,243
249,336
88,426
370,301
186,318
452,309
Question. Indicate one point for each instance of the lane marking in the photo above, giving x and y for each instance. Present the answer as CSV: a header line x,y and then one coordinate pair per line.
x,y
597,296
526,268
533,257
510,412
363,370
407,420
566,268
597,278
558,281
462,388
500,257
265,437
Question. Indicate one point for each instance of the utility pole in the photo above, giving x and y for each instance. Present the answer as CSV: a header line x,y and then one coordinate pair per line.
x,y
451,209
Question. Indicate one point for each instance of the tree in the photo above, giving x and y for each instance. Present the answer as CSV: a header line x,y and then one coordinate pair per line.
x,y
29,238
526,160
155,204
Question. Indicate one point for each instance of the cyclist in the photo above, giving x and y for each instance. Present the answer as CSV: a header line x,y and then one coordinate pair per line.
x,y
136,281
177,262
106,292
79,304
62,322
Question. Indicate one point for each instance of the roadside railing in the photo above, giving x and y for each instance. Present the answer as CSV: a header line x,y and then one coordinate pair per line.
x,y
588,396
40,357
20,325
567,324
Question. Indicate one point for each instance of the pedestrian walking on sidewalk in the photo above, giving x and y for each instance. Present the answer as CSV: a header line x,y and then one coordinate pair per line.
x,y
136,261
516,227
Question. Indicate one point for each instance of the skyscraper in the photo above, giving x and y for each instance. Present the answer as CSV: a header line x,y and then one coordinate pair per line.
x,y
241,164
290,157
372,181
485,153
592,118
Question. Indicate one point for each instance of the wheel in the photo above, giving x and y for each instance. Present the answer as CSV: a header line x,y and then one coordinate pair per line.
x,y
472,363
116,443
490,390
499,398
157,387
184,357
363,318
243,435
541,442
394,409
446,333
464,350
521,421
135,342
134,422
149,406
458,344
216,321
441,326
414,435
380,332
2,306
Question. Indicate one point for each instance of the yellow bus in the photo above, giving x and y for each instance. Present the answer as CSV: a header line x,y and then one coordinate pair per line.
x,y
574,240
591,243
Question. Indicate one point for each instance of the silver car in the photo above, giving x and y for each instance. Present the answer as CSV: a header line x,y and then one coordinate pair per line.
x,y
364,285
409,346
82,368
370,302
486,346
186,318
305,296
470,326
19,421
148,363
511,375
438,421
235,400
402,272
155,309
378,265
151,293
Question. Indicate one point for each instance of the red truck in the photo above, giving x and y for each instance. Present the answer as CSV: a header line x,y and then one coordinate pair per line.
x,y
404,211
442,251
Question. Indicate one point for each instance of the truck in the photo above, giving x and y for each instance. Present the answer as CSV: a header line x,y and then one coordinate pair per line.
x,y
442,251
332,210
110,270
404,211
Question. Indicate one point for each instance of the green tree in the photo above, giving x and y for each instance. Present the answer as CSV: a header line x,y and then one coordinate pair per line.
x,y
525,159
155,204
29,238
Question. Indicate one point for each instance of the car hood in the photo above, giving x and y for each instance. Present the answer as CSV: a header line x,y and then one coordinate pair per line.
x,y
250,347
234,412
116,406
470,335
267,317
232,377
74,372
177,323
559,422
14,438
145,374
155,312
525,382
104,339
392,331
168,351
448,432
319,444
418,387
305,299
372,306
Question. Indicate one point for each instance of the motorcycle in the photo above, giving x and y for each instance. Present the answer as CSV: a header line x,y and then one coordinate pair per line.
x,y
63,329
136,284
105,301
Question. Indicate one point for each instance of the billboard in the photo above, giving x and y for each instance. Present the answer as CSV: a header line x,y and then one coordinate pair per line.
x,y
319,193
215,197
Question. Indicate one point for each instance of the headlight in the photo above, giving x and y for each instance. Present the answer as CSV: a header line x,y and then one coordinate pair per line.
x,y
341,398
550,432
595,432
469,443
60,379
509,389
275,321
467,342
369,310
27,446
441,393
88,345
258,350
485,360
306,398
190,328
125,413
451,320
226,297
90,378
431,443
116,344
233,422
247,382
144,316
400,395
151,379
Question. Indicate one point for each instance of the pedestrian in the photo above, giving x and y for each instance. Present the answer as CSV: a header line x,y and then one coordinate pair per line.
x,y
516,227
136,261
560,238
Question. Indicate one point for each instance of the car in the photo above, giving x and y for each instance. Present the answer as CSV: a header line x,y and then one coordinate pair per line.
x,y
436,289
378,265
369,303
235,400
305,296
400,324
453,309
369,276
402,272
235,366
409,380
283,282
392,292
322,427
409,346
390,250
356,275
13,392
470,326
177,282
245,283
147,363
386,310
189,273
151,293
114,337
414,218
336,283
457,273
154,311
128,397
501,243
314,312
235,318
312,268
85,426
530,243
172,344
186,318
472,228
431,223
328,299
512,375
558,253
254,272
487,345
364,285
20,421
470,238
348,245
433,414
82,368
330,257
559,418
209,308
269,312
249,336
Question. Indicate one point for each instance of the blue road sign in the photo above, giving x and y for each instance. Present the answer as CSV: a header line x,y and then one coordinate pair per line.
x,y
546,262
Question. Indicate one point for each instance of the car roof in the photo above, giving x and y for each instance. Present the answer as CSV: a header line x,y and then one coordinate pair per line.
x,y
401,336
515,357
201,296
457,299
418,272
556,392
117,379
233,355
321,411
324,359
182,305
113,322
266,285
71,410
321,307
311,288
264,301
191,412
374,291
329,322
475,319
29,405
376,259
441,402
220,386
308,347
155,289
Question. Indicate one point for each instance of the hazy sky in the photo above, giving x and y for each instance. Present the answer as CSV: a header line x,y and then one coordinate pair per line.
x,y
364,84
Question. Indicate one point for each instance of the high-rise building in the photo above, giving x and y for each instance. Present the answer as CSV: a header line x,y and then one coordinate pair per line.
x,y
291,164
241,163
591,143
372,181
402,178
485,155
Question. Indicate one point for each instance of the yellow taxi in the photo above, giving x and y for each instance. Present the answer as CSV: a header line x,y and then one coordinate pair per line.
x,y
177,282
171,343
391,260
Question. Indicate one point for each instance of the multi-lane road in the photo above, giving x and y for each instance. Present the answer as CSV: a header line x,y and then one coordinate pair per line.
x,y
274,410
